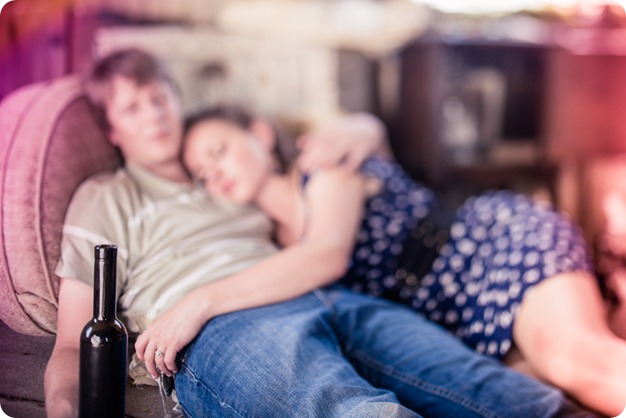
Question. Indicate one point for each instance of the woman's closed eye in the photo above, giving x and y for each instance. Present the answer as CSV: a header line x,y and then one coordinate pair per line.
x,y
130,108
217,151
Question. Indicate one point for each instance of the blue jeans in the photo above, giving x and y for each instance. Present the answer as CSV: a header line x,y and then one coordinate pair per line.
x,y
335,353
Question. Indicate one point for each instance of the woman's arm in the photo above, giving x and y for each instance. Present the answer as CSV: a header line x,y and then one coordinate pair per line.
x,y
61,377
335,200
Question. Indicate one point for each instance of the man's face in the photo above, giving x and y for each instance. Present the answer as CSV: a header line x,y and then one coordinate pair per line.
x,y
146,121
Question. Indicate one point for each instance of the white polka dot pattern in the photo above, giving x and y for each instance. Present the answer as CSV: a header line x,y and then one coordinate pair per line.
x,y
500,245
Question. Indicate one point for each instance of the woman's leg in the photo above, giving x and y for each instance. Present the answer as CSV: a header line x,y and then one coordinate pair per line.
x,y
561,330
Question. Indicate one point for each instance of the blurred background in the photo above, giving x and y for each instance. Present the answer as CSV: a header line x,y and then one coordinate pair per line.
x,y
476,94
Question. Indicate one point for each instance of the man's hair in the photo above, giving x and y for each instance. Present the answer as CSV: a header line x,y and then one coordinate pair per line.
x,y
133,64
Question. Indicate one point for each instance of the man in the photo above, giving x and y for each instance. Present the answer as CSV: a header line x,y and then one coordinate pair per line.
x,y
326,353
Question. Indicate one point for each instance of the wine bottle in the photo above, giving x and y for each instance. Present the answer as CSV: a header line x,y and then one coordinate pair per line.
x,y
103,345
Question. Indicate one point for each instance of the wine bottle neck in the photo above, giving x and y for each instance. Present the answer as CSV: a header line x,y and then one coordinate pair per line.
x,y
104,305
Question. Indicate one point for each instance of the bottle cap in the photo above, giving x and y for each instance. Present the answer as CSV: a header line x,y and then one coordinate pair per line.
x,y
105,252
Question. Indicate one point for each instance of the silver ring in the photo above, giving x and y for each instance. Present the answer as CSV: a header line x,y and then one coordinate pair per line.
x,y
159,354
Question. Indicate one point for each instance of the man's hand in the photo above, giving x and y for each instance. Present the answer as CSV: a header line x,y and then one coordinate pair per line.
x,y
159,345
349,141
62,405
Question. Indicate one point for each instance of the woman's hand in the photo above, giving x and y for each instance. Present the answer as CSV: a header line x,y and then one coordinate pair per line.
x,y
347,142
158,345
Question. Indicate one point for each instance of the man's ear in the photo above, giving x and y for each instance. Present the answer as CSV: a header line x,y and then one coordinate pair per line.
x,y
265,132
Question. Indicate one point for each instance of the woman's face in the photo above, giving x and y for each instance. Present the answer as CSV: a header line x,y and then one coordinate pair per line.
x,y
233,163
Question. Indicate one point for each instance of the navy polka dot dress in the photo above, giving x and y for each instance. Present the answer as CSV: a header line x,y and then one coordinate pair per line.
x,y
500,245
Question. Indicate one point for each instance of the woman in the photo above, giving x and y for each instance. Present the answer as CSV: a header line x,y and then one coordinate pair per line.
x,y
505,272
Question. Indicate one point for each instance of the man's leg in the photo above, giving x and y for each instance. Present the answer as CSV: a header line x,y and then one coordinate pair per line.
x,y
278,361
430,371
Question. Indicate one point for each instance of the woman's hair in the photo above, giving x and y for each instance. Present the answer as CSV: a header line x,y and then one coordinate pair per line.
x,y
133,64
285,149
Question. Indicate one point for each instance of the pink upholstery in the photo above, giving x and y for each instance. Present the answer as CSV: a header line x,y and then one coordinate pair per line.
x,y
49,143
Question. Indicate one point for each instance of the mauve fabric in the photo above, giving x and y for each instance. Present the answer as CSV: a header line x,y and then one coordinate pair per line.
x,y
49,143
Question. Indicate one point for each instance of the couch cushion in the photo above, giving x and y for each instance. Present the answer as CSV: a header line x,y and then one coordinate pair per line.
x,y
49,143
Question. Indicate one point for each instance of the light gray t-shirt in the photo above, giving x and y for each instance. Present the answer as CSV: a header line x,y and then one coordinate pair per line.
x,y
171,238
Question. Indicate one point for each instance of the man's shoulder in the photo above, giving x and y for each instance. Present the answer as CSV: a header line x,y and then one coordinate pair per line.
x,y
111,186
106,182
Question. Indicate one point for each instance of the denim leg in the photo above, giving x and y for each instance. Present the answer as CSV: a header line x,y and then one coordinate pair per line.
x,y
281,360
429,370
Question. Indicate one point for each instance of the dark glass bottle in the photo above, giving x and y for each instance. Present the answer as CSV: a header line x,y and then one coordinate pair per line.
x,y
103,346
